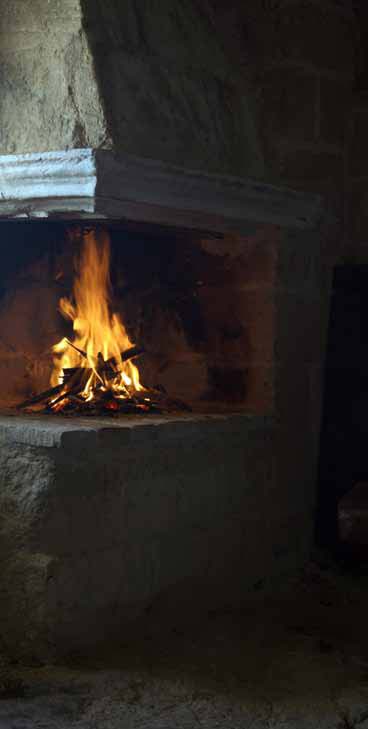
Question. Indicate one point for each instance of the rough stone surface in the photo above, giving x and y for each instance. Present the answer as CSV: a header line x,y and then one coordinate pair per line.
x,y
149,79
357,197
289,105
236,88
359,147
100,522
49,96
204,85
335,107
295,32
359,218
296,660
168,88
302,309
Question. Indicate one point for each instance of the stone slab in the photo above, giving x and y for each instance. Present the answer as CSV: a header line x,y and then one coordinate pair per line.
x,y
50,431
92,183
100,523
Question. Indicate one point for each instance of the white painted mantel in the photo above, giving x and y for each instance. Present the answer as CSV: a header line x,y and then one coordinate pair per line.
x,y
99,184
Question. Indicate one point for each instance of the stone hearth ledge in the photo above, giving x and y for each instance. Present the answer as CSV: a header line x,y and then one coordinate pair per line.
x,y
50,431
101,184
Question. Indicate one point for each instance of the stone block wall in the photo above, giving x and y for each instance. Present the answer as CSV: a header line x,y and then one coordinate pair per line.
x,y
147,79
252,89
169,90
358,184
302,314
300,57
49,97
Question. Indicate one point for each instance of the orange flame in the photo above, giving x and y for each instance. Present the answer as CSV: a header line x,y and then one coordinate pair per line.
x,y
98,332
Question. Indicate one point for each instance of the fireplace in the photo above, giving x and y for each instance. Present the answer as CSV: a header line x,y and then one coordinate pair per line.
x,y
193,273
120,510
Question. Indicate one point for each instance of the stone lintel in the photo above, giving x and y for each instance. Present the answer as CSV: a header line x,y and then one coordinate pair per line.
x,y
99,184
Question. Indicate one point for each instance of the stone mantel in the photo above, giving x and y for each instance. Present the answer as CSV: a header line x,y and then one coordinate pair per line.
x,y
99,184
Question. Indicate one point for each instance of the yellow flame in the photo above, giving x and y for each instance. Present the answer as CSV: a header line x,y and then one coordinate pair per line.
x,y
98,332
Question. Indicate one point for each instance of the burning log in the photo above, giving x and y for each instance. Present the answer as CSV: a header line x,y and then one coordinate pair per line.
x,y
127,355
76,384
68,372
80,351
132,353
102,365
68,397
46,395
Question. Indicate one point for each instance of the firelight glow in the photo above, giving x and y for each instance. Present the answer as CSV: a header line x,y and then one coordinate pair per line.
x,y
100,337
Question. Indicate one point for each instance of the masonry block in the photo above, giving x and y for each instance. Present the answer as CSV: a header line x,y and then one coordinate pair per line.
x,y
98,523
288,103
298,31
335,110
358,154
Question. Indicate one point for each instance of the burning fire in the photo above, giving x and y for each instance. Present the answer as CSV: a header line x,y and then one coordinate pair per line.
x,y
94,373
96,353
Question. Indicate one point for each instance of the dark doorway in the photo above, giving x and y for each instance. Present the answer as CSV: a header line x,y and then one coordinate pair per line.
x,y
344,436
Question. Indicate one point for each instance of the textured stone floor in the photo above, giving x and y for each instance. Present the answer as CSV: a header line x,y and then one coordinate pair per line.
x,y
297,660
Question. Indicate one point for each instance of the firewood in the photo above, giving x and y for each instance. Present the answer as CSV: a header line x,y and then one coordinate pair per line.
x,y
80,351
127,355
104,366
132,353
104,402
100,362
39,398
75,384
68,372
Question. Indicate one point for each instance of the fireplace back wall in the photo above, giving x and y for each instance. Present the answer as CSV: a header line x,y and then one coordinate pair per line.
x,y
202,307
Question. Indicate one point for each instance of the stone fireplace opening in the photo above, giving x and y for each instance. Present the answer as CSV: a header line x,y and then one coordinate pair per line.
x,y
199,306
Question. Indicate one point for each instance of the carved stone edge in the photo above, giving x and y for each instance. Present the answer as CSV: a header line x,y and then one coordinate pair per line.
x,y
101,184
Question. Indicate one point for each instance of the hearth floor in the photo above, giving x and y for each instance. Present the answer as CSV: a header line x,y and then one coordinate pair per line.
x,y
57,430
296,660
